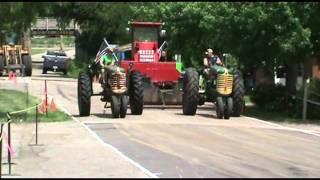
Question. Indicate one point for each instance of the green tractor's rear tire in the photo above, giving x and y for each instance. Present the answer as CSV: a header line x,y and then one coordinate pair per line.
x,y
136,93
124,106
26,59
219,107
228,108
190,98
115,106
84,94
237,94
1,65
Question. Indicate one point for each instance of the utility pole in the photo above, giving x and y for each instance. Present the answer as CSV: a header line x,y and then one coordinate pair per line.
x,y
61,41
61,25
305,99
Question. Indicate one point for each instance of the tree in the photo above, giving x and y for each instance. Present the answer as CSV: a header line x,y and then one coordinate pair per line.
x,y
96,20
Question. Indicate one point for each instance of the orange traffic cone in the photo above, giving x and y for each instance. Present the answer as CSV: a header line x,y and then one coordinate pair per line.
x,y
14,77
53,106
10,75
45,108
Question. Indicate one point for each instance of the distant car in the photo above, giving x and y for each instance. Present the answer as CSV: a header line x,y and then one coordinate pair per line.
x,y
55,61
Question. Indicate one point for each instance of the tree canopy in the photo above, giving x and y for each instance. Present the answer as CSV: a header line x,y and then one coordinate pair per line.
x,y
252,32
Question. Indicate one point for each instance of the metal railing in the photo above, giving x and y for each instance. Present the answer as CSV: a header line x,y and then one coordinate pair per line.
x,y
8,138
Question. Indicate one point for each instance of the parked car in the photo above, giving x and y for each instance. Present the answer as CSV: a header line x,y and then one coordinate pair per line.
x,y
55,61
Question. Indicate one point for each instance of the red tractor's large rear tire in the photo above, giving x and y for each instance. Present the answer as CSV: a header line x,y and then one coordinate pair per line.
x,y
237,94
136,93
84,94
190,97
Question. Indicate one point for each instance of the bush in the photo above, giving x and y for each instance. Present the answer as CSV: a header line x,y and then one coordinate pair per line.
x,y
270,97
314,95
312,109
75,67
274,98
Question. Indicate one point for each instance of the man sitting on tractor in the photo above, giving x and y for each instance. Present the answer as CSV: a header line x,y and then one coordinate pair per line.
x,y
163,56
210,60
107,62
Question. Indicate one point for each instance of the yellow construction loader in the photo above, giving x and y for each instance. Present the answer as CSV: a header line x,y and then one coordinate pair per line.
x,y
13,56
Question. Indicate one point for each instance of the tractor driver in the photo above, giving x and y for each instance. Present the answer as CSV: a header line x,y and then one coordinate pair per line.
x,y
163,57
209,60
107,62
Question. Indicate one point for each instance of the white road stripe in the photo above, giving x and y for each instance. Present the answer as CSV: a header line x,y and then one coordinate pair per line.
x,y
144,170
284,127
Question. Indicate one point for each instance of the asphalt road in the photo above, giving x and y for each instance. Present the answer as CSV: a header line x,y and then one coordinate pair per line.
x,y
169,144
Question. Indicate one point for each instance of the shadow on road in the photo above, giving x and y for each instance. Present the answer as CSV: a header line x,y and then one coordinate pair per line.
x,y
206,115
102,115
209,116
161,107
177,107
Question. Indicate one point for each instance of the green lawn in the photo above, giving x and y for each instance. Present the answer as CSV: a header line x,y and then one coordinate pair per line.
x,y
68,41
247,99
279,116
37,51
12,100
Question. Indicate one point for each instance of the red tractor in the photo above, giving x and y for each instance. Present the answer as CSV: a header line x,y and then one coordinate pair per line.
x,y
165,82
161,79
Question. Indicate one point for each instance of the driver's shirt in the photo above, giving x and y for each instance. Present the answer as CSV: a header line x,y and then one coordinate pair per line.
x,y
212,60
107,59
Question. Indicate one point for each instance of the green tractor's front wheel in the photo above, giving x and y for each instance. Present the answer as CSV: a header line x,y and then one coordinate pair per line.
x,y
124,106
115,106
190,98
219,107
228,108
